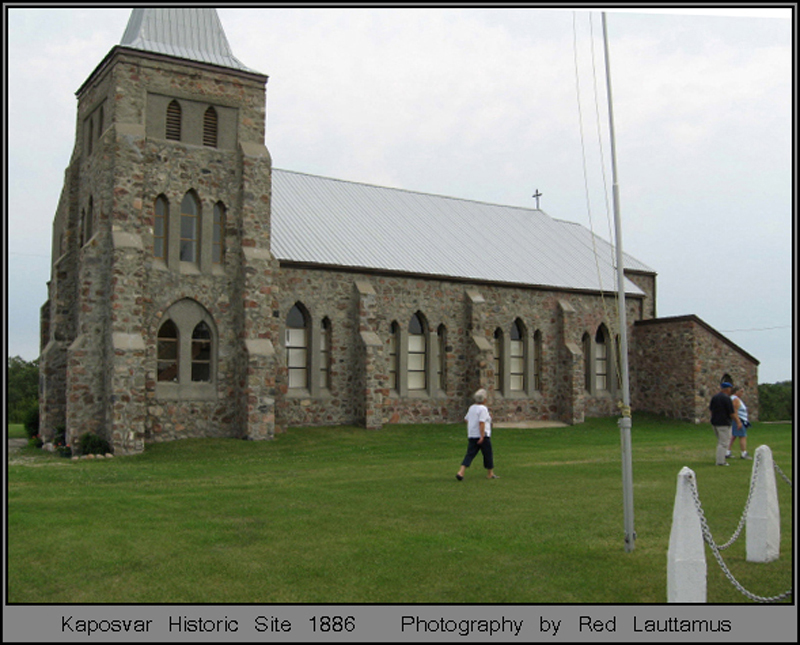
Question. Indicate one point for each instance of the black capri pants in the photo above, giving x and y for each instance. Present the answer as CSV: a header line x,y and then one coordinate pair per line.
x,y
473,448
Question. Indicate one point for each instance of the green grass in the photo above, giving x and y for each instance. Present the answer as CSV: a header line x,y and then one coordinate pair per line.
x,y
16,431
347,515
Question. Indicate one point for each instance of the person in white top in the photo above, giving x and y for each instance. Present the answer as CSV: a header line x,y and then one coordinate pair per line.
x,y
479,432
740,422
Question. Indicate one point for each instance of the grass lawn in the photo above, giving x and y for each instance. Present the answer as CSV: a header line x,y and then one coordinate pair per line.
x,y
347,515
16,431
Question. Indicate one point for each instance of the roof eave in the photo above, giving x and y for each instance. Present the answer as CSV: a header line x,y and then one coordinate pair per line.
x,y
319,266
117,50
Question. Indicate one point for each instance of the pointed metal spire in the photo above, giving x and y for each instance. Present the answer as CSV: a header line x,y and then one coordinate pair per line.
x,y
193,34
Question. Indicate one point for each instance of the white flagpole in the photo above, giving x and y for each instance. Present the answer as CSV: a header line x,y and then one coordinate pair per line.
x,y
625,422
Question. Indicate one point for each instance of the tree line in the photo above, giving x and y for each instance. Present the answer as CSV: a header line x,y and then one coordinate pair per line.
x,y
22,389
776,400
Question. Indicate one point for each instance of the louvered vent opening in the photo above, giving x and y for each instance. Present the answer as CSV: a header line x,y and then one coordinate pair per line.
x,y
174,121
210,128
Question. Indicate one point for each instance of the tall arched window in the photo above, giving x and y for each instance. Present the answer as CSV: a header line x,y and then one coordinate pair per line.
x,y
160,228
167,352
190,228
218,235
173,130
88,222
587,362
417,354
537,360
441,367
90,136
297,347
394,360
201,353
210,128
325,355
517,357
497,348
601,360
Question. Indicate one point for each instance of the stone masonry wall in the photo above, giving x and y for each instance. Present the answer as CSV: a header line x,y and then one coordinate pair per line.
x,y
332,294
664,368
679,362
717,356
99,368
647,283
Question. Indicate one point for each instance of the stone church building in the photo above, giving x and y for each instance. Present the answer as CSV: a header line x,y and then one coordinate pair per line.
x,y
196,291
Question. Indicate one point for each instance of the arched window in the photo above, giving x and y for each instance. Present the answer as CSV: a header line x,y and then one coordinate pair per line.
x,y
201,353
537,360
210,128
325,355
497,348
601,360
441,367
391,349
190,228
100,122
586,342
167,352
88,222
160,228
218,235
517,357
185,352
417,354
297,347
174,121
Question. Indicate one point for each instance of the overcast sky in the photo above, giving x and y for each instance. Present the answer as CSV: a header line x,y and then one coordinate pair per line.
x,y
483,104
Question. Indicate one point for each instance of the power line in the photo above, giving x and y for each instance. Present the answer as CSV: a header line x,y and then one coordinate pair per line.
x,y
730,331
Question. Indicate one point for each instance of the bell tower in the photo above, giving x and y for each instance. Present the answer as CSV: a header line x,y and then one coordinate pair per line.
x,y
158,323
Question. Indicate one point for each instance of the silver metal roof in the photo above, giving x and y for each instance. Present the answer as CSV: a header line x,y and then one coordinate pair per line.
x,y
193,34
331,222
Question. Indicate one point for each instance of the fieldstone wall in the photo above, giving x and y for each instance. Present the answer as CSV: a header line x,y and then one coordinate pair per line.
x,y
678,364
58,316
569,385
108,294
647,283
361,310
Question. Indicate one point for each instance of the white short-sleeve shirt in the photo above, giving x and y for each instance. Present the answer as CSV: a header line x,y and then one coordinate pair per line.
x,y
477,413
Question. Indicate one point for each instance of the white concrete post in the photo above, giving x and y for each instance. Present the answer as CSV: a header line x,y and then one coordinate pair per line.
x,y
686,557
763,515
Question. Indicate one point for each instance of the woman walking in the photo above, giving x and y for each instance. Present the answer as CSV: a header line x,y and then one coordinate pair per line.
x,y
479,432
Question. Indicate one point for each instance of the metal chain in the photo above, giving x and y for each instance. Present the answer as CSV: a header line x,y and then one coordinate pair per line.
x,y
710,541
743,519
780,472
753,479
